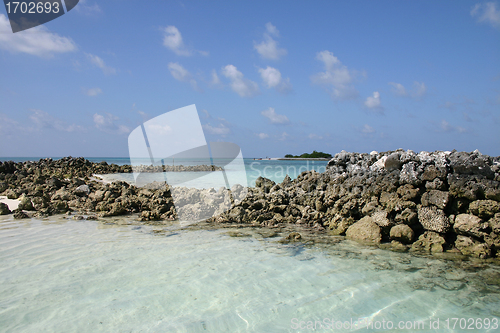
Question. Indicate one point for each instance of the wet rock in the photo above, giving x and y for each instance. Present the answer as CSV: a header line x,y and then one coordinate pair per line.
x,y
4,209
470,225
293,236
433,219
365,230
19,214
470,247
429,241
402,233
484,208
437,198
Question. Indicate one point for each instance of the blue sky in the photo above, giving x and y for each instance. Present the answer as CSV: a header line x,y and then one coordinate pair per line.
x,y
273,78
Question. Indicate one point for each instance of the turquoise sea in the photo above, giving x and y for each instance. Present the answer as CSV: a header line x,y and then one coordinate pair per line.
x,y
118,275
275,170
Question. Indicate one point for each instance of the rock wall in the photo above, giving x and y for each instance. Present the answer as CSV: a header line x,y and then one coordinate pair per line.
x,y
432,202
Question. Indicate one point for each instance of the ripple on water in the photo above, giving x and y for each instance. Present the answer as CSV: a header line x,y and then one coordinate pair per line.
x,y
64,275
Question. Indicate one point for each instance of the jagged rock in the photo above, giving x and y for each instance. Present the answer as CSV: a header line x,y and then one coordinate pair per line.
x,y
465,186
25,203
19,214
468,246
264,184
431,172
380,218
407,216
437,198
433,219
4,209
408,193
484,208
494,223
472,164
429,241
365,230
470,225
402,233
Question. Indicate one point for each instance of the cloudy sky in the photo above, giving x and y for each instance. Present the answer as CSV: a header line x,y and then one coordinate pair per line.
x,y
272,78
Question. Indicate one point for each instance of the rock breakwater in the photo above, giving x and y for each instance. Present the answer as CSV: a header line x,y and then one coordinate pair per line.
x,y
430,202
425,202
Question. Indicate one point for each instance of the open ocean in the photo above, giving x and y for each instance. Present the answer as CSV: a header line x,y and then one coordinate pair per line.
x,y
118,275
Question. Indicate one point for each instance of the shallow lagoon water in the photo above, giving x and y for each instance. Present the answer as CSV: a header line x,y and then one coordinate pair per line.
x,y
63,275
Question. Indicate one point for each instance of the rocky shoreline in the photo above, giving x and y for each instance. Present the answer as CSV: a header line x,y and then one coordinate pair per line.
x,y
426,202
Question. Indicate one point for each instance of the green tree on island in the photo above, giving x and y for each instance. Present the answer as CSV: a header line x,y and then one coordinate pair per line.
x,y
314,154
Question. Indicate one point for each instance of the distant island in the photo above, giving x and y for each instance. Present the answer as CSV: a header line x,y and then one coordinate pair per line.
x,y
314,154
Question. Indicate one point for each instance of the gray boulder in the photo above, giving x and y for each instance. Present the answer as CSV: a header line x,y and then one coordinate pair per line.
x,y
437,198
82,190
392,162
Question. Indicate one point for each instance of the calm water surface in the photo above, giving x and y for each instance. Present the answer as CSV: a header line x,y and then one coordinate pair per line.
x,y
61,275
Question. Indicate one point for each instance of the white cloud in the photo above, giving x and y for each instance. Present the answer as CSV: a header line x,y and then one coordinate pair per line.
x,y
173,40
42,120
271,29
36,41
398,89
373,102
367,129
181,74
419,89
108,123
283,136
98,62
220,130
240,85
446,127
486,13
272,79
336,78
262,135
92,91
274,117
268,48
314,136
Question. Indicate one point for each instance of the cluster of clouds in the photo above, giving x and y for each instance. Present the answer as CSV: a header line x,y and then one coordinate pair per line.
x,y
267,49
336,78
